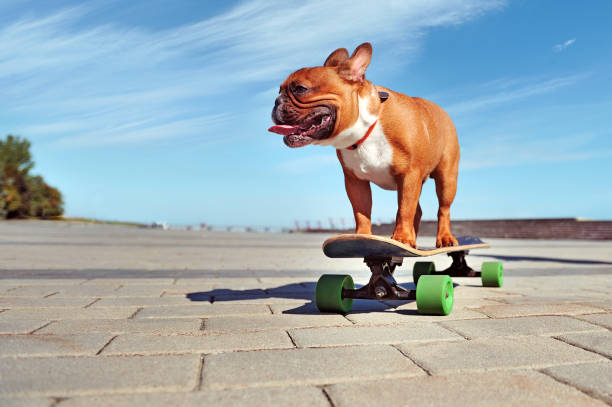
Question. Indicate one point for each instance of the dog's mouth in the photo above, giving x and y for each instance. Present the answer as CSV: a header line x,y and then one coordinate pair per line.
x,y
313,128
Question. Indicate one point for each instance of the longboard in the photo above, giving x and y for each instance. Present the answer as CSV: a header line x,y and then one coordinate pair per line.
x,y
434,289
363,246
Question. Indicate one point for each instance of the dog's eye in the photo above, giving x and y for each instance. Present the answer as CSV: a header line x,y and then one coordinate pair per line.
x,y
298,89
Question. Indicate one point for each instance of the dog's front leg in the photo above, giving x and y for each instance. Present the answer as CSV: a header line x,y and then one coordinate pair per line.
x,y
408,193
360,195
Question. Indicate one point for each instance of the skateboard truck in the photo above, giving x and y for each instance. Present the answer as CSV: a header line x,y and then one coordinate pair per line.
x,y
459,267
382,284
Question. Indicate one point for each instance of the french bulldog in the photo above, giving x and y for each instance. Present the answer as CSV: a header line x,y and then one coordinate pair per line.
x,y
388,138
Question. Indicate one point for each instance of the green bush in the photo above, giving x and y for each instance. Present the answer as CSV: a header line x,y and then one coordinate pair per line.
x,y
21,194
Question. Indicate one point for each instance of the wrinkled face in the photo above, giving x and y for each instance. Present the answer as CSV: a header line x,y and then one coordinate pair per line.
x,y
309,106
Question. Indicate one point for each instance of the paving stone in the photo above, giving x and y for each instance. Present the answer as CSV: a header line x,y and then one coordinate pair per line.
x,y
141,301
310,308
604,320
409,316
462,303
6,289
361,335
57,282
32,291
540,325
240,283
513,388
217,286
51,302
131,281
142,344
202,290
263,397
206,293
592,378
92,291
65,376
293,288
283,321
52,345
140,291
600,342
458,304
27,402
496,354
202,310
521,310
20,326
68,313
118,326
477,291
305,366
603,303
262,299
538,298
273,282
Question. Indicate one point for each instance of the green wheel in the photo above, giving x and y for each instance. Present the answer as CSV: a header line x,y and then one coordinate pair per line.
x,y
492,274
434,295
328,294
422,268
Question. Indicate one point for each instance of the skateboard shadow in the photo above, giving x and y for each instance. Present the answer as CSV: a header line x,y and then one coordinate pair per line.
x,y
296,291
542,259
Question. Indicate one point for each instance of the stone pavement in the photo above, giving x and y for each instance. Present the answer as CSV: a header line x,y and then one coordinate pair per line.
x,y
96,315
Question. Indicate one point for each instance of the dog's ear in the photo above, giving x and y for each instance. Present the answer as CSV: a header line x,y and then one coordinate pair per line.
x,y
353,69
337,57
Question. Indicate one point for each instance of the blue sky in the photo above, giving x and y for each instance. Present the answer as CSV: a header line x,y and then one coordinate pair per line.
x,y
159,110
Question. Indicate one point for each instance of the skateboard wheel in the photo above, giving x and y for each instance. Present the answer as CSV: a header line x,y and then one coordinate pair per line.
x,y
434,295
422,268
492,274
328,293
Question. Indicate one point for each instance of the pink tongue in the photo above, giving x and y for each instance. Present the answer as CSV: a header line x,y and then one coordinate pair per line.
x,y
283,129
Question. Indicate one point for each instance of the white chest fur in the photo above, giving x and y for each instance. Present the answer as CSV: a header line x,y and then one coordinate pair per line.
x,y
372,160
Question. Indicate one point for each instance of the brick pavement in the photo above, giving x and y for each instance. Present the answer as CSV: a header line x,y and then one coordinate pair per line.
x,y
107,315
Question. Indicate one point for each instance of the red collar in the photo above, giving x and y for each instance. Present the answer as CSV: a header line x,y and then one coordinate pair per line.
x,y
361,140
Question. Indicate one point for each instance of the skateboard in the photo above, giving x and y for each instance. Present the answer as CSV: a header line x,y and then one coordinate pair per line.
x,y
434,289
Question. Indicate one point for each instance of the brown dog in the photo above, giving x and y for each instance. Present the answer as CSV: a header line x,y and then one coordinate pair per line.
x,y
388,138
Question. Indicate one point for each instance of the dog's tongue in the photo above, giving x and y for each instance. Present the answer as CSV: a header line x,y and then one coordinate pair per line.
x,y
284,129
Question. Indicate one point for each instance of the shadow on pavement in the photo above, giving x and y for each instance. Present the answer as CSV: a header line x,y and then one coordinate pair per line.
x,y
296,291
544,259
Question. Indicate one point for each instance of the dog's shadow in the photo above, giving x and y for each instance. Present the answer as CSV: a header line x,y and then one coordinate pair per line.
x,y
296,291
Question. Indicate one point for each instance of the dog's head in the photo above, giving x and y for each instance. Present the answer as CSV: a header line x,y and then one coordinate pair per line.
x,y
316,104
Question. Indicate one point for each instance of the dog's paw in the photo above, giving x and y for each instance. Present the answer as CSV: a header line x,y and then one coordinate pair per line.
x,y
445,240
405,238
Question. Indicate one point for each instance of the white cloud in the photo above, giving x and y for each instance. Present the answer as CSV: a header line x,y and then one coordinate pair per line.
x,y
502,150
96,81
524,132
561,47
509,90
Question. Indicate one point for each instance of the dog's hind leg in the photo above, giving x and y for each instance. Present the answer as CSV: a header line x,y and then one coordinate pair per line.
x,y
417,219
446,188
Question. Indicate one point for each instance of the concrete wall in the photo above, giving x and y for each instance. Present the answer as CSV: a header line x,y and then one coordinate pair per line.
x,y
567,228
563,228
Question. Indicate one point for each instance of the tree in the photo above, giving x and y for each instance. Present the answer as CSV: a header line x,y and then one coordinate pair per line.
x,y
21,194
